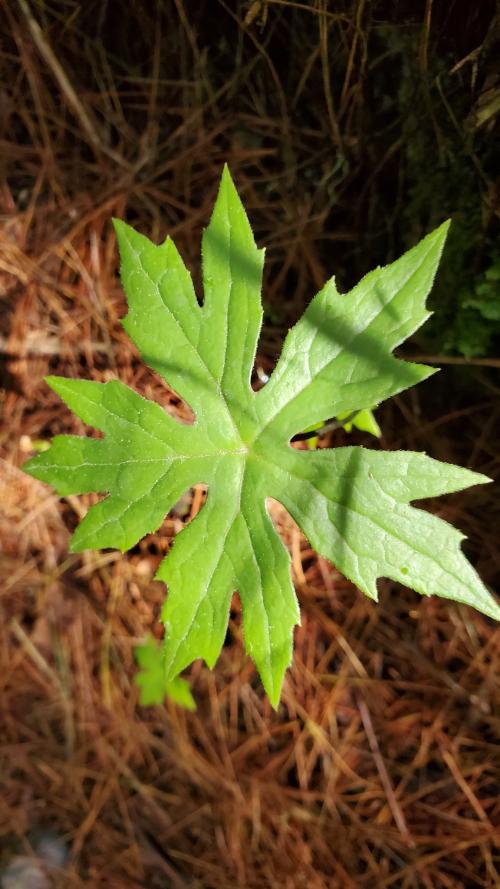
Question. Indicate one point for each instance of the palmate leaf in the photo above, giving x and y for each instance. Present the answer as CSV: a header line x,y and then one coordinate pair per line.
x,y
352,504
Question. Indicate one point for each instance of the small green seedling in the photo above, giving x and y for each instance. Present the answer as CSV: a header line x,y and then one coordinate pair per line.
x,y
351,503
151,678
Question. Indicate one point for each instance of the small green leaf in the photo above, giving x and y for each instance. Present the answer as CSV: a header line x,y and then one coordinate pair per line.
x,y
352,504
152,682
364,421
39,445
312,442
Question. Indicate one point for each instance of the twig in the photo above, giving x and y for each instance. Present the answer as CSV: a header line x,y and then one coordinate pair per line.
x,y
454,359
88,125
44,347
394,806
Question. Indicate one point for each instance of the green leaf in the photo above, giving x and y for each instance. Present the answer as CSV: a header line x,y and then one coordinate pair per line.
x,y
152,681
312,442
353,504
364,421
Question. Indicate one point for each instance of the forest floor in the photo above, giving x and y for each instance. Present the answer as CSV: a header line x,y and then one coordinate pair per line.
x,y
381,766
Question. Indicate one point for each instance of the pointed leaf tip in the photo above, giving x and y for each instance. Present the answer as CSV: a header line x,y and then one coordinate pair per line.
x,y
120,226
57,383
227,182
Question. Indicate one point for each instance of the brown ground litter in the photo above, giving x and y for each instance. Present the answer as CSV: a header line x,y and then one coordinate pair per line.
x,y
382,765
